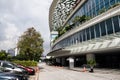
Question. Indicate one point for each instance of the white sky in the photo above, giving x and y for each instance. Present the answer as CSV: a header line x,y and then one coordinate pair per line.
x,y
18,15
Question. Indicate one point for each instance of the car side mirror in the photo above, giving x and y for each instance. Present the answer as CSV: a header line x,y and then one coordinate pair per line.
x,y
13,67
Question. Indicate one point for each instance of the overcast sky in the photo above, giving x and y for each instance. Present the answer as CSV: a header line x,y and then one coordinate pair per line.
x,y
18,15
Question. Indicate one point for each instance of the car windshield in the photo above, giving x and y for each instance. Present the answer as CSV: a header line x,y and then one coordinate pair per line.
x,y
15,65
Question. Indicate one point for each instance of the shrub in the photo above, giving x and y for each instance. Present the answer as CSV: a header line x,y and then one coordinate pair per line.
x,y
91,62
102,10
26,63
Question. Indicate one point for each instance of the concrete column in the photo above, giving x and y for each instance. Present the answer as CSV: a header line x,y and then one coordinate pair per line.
x,y
90,57
71,62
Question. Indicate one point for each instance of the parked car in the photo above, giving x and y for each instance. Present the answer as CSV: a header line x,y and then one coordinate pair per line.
x,y
12,76
30,70
10,67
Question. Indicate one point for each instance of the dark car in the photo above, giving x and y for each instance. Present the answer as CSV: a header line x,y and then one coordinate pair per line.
x,y
11,67
11,76
30,70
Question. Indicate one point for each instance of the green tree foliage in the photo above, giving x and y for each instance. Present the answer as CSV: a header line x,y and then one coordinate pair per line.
x,y
68,27
59,30
30,45
91,62
3,55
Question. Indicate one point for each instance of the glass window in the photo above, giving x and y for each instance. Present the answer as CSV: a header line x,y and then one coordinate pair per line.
x,y
101,4
106,4
97,30
84,9
92,32
97,2
7,65
84,36
118,0
80,36
93,8
103,29
87,10
88,33
97,9
112,2
77,37
116,24
109,26
72,40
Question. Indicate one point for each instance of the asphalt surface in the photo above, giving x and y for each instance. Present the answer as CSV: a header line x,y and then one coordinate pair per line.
x,y
59,73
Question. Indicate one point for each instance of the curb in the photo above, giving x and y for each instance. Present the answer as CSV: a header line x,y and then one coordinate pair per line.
x,y
36,76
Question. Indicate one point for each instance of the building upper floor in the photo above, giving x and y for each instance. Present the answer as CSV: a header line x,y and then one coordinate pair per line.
x,y
87,11
59,11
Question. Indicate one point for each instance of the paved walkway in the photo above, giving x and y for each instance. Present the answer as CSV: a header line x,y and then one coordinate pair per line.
x,y
58,73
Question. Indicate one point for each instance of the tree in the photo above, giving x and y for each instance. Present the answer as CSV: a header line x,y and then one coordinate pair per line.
x,y
3,55
30,45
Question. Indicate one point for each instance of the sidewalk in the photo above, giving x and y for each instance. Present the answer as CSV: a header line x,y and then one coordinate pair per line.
x,y
111,74
55,73
36,76
98,70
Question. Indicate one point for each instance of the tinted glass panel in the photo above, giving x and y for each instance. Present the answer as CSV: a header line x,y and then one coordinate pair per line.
x,y
80,37
106,4
101,4
118,0
88,34
92,32
97,1
116,24
112,2
103,29
109,26
84,37
7,65
97,30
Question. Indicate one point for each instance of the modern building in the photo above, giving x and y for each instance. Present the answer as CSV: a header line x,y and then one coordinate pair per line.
x,y
87,30
11,52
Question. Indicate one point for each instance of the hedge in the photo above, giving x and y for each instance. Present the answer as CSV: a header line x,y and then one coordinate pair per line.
x,y
26,63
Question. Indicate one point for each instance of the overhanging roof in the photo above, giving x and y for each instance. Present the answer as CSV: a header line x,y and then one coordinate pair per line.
x,y
59,52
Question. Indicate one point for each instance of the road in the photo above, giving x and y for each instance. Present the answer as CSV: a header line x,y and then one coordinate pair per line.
x,y
58,73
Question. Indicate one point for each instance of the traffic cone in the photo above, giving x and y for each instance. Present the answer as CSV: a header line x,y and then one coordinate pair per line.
x,y
84,69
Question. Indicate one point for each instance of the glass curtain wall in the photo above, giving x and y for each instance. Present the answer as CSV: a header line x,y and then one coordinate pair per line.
x,y
92,8
106,27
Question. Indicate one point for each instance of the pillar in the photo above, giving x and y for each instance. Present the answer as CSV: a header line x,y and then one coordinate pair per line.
x,y
71,62
90,57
